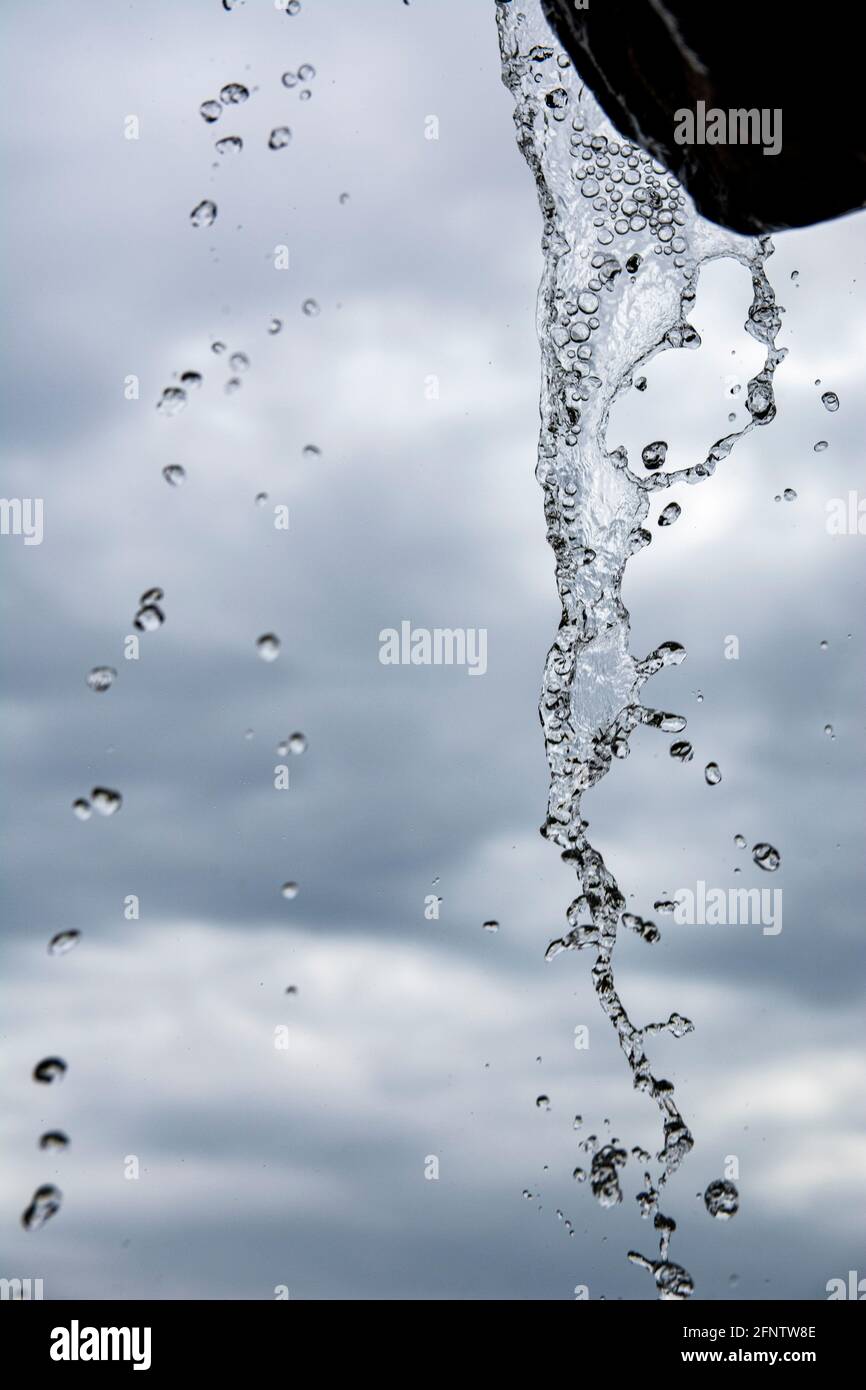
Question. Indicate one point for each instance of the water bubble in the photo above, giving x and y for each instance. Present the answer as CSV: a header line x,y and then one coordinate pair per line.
x,y
310,308
172,400
53,1140
492,925
739,841
105,801
542,1102
233,93
669,514
45,1204
289,890
275,325
230,144
62,942
239,362
306,72
713,774
722,1200
174,474
101,678
821,446
82,809
211,111
830,401
654,454
268,646
204,213
682,750
148,618
766,857
279,137
49,1069
311,451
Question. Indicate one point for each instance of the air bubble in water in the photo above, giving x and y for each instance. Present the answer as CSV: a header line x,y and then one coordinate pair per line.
x,y
62,942
310,308
268,646
105,801
654,454
148,618
830,401
45,1204
101,678
669,514
53,1140
49,1069
230,144
239,362
722,1200
211,111
289,890
491,925
766,857
203,214
174,474
82,809
233,93
713,774
279,137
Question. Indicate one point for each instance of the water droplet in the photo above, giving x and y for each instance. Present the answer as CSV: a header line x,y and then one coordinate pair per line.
x,y
310,308
289,890
713,775
789,494
268,646
293,6
239,362
230,144
492,925
53,1140
542,1102
49,1069
633,263
828,730
154,595
830,401
203,214
172,400
82,809
824,645
344,198
654,454
640,384
279,137
795,275
101,678
306,72
297,743
682,750
275,325
217,347
766,857
62,942
233,93
45,1204
261,499
211,111
739,841
105,801
191,380
233,384
311,451
174,474
669,514
148,618
821,446
305,94
722,1200
290,79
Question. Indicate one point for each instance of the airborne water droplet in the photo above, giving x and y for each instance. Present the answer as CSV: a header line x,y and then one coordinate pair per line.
x,y
789,494
713,774
289,890
682,750
174,474
669,514
230,144
739,841
279,137
211,111
62,942
82,809
233,93
542,1102
148,618
310,308
203,214
654,454
54,1139
821,446
722,1200
297,743
491,925
45,1204
275,325
239,362
101,678
830,401
306,72
290,79
172,400
49,1069
311,451
766,857
268,646
261,498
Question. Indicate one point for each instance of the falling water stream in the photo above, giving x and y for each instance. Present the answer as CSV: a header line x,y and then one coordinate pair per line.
x,y
623,247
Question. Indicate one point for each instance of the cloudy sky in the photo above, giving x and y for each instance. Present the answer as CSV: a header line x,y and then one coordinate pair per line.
x,y
408,1038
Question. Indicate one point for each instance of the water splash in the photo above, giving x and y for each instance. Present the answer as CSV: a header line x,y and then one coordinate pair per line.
x,y
623,246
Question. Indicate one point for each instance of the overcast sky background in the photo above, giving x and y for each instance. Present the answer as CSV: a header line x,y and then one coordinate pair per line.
x,y
407,1037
